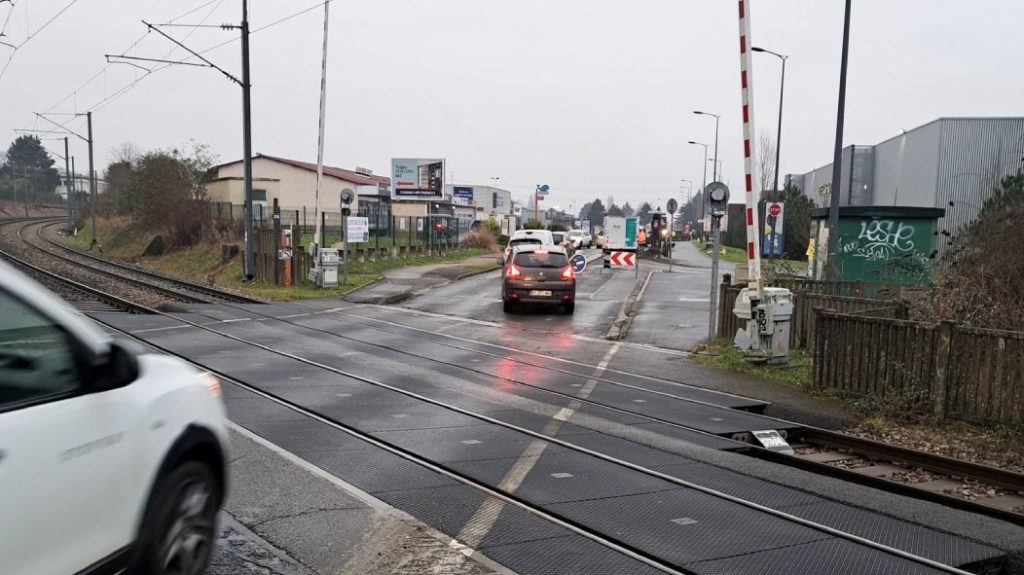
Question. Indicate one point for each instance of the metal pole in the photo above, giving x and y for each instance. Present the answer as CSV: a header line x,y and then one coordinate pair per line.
x,y
67,182
714,278
92,180
344,245
837,161
670,232
74,191
249,262
778,136
323,119
716,148
703,208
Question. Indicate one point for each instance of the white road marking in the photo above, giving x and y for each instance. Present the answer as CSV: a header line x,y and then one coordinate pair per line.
x,y
481,523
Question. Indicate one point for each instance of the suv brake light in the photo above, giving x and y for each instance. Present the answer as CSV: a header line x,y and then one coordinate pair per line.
x,y
513,271
568,274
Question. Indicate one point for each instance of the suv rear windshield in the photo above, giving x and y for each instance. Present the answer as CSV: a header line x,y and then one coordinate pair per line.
x,y
519,241
541,260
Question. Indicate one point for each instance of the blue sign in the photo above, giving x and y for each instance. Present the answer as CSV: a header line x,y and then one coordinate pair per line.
x,y
463,192
578,263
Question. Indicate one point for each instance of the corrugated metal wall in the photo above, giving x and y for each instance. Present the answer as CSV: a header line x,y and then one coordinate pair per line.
x,y
975,155
957,160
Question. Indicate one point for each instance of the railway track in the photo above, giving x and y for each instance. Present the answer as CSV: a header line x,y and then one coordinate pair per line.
x,y
510,496
807,441
185,285
149,289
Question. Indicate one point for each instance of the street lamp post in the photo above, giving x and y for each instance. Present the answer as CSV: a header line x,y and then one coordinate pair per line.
x,y
717,118
705,184
782,92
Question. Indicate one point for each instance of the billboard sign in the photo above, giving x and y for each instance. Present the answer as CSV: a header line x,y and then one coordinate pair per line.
x,y
462,195
417,179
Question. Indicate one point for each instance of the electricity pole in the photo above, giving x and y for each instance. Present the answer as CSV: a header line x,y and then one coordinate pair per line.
x,y
92,182
837,159
92,172
248,258
67,180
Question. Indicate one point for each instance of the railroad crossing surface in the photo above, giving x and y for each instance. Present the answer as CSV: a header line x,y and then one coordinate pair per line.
x,y
445,436
540,450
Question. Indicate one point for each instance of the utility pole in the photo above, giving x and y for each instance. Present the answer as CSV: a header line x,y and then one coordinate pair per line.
x,y
67,182
92,173
92,181
74,192
250,259
837,159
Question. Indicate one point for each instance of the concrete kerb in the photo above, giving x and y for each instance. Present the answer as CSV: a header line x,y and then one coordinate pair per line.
x,y
620,327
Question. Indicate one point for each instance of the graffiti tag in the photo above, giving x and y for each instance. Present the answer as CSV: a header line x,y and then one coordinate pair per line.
x,y
881,240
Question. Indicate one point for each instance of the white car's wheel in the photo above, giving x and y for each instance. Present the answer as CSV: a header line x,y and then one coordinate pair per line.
x,y
180,524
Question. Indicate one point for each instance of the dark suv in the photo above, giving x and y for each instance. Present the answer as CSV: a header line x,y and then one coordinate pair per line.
x,y
538,274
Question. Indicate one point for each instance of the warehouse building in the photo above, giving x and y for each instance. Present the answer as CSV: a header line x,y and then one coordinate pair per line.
x,y
950,163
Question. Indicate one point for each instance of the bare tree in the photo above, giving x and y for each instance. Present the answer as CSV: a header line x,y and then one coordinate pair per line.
x,y
766,161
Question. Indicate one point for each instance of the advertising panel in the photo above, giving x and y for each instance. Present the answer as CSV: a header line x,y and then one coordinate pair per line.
x,y
774,214
462,195
417,179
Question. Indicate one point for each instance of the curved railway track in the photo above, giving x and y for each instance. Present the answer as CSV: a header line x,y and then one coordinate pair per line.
x,y
130,283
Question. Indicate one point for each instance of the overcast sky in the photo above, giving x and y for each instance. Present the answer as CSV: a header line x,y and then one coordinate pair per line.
x,y
593,97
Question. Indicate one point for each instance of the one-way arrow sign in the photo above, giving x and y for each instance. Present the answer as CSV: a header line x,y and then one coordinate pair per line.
x,y
623,259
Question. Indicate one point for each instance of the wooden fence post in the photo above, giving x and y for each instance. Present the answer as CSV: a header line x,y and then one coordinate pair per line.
x,y
943,365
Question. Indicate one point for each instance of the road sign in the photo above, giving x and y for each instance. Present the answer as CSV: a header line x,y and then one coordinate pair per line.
x,y
672,205
774,209
543,189
358,229
578,263
623,259
630,241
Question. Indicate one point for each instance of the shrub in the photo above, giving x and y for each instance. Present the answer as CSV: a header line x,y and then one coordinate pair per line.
x,y
532,224
492,226
483,239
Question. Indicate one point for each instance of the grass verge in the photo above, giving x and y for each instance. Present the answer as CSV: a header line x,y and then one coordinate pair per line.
x,y
738,256
796,374
123,239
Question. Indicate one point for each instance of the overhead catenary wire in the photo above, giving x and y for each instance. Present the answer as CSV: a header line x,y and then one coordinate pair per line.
x,y
122,91
30,35
139,40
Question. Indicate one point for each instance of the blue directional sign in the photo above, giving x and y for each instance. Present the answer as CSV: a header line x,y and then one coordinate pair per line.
x,y
578,263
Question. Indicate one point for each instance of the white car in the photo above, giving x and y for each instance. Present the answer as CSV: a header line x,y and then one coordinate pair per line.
x,y
580,239
542,237
112,459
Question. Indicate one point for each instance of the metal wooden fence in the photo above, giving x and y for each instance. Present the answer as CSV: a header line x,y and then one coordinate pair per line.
x,y
984,374
944,368
805,303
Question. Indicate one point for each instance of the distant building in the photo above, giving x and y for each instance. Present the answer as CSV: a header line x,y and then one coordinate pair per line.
x,y
293,184
486,201
79,184
958,160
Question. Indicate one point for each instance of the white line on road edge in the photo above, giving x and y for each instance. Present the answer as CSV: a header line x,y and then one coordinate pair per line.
x,y
643,290
481,523
376,504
